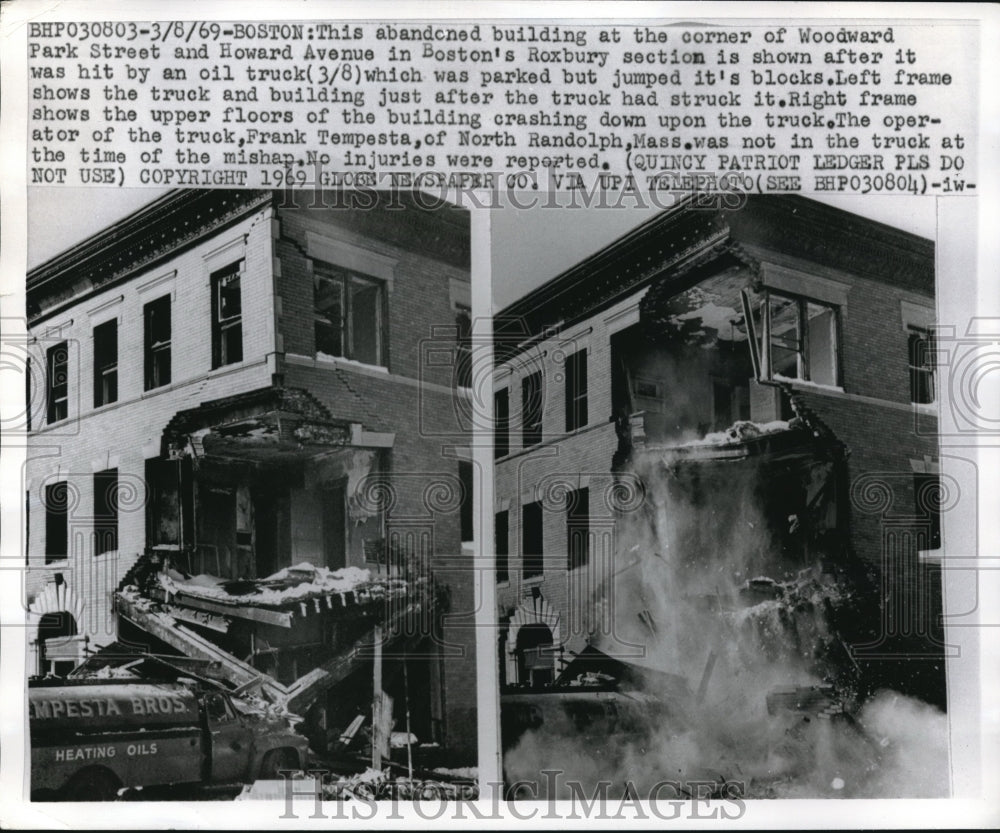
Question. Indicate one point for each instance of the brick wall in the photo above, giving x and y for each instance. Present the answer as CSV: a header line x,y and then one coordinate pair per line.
x,y
127,432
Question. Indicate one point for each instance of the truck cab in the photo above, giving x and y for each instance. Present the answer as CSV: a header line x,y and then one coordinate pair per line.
x,y
91,739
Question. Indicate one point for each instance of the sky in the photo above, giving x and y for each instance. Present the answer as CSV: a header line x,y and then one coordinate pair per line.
x,y
531,246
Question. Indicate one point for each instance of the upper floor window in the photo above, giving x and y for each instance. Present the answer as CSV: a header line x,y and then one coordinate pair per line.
x,y
56,537
349,314
920,343
531,409
106,363
156,324
105,511
501,532
463,345
57,381
576,390
532,548
501,423
227,315
799,338
578,527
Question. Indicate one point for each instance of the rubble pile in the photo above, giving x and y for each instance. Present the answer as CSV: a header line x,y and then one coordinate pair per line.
x,y
375,784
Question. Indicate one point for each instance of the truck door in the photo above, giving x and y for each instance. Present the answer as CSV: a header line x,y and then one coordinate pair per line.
x,y
229,739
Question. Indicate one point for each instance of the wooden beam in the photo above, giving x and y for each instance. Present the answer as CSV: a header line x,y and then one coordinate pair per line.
x,y
256,614
307,688
167,629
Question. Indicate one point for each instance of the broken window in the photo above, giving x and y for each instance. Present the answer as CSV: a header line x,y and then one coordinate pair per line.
x,y
56,526
501,423
106,363
578,527
921,362
348,312
531,409
170,512
532,554
576,390
105,511
798,338
57,365
227,315
501,525
156,323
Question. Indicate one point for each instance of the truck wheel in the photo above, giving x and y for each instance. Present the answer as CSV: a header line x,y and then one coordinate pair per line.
x,y
275,761
92,785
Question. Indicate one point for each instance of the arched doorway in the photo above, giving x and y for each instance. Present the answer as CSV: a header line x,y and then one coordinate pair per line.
x,y
535,654
531,658
57,616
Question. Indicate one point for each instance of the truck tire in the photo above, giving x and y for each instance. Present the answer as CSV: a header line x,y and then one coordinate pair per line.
x,y
93,784
275,761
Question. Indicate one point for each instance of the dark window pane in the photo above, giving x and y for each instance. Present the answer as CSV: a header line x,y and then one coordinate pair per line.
x,y
56,537
578,527
157,342
501,531
531,540
366,317
106,511
576,390
57,361
531,409
501,423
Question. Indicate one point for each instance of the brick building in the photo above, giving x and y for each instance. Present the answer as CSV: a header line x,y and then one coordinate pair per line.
x,y
227,388
783,351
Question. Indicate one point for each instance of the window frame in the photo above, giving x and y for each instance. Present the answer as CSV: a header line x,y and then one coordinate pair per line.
x,y
803,371
917,336
346,279
105,341
575,369
106,511
532,417
157,355
57,407
532,523
223,326
56,522
463,345
577,522
501,423
502,545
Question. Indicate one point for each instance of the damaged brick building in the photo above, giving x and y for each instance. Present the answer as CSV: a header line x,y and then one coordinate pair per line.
x,y
250,450
781,353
